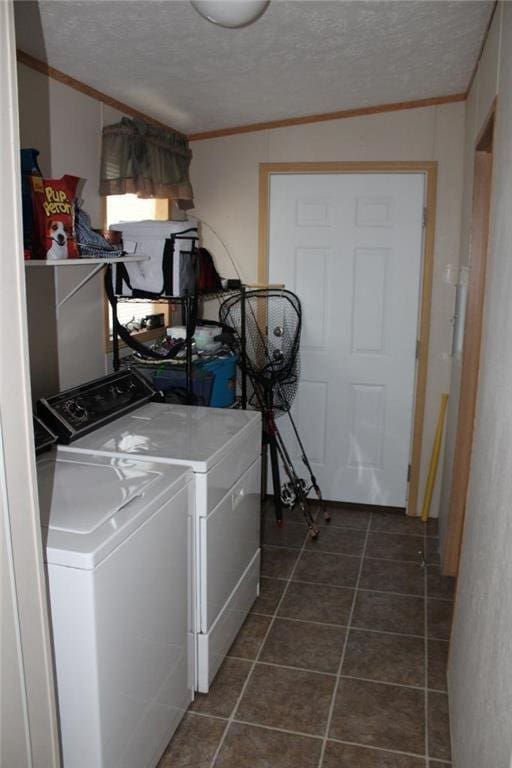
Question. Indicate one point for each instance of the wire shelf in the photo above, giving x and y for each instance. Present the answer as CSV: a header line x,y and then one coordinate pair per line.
x,y
179,299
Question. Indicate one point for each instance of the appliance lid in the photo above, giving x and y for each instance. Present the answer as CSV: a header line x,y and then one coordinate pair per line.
x,y
78,498
43,436
180,434
90,504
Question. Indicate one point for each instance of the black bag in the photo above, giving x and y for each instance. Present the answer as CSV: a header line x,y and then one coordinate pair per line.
x,y
29,167
209,279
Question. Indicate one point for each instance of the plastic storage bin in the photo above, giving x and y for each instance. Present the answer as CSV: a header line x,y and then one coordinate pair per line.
x,y
224,381
213,381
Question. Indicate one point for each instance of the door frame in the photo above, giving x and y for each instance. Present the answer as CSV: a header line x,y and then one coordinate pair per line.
x,y
29,722
429,169
471,348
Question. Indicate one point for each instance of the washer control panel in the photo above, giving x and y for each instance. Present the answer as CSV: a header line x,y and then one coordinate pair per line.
x,y
78,411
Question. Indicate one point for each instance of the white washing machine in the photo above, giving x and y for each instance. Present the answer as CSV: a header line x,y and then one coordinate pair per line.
x,y
118,537
222,447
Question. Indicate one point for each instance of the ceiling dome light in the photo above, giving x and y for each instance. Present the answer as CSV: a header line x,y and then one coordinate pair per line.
x,y
230,13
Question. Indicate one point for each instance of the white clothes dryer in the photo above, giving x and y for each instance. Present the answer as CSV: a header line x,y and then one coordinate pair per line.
x,y
222,446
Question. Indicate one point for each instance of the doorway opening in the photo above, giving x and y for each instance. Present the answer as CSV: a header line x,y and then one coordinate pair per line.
x,y
471,346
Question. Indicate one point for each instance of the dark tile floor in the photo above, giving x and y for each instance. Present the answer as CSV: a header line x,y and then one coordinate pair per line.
x,y
342,662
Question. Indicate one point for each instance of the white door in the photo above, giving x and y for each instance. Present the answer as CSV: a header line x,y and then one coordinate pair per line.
x,y
350,246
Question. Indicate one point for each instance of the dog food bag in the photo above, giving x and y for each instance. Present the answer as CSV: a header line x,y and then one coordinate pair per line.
x,y
53,202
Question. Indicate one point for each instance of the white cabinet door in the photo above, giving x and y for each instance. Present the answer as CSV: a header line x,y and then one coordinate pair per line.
x,y
350,246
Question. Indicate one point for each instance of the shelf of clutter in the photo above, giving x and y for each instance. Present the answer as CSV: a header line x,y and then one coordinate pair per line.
x,y
204,378
192,372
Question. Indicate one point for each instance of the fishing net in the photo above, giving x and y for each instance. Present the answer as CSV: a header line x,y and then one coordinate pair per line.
x,y
272,327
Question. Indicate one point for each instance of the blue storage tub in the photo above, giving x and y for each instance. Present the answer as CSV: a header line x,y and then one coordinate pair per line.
x,y
224,379
213,381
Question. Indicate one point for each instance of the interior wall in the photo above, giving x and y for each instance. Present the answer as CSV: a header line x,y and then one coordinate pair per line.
x,y
480,669
34,121
224,174
66,348
478,104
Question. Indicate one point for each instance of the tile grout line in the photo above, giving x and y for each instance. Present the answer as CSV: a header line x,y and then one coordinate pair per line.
x,y
320,738
361,589
382,749
278,730
255,660
335,674
313,548
317,737
345,643
347,527
193,713
362,530
310,549
341,626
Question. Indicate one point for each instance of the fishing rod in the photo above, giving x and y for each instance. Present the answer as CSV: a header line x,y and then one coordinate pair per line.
x,y
264,381
287,409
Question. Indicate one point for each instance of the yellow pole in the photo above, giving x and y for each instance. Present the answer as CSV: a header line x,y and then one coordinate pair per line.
x,y
434,459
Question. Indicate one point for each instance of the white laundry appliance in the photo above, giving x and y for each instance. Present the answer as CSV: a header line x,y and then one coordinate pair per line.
x,y
222,447
118,539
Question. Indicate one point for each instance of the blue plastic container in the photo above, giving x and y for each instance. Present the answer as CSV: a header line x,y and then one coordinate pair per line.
x,y
224,380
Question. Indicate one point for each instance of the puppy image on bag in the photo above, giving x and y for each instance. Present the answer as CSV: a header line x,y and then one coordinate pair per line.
x,y
59,233
54,218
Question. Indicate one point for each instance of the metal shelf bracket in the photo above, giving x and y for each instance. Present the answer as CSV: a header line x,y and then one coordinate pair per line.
x,y
80,285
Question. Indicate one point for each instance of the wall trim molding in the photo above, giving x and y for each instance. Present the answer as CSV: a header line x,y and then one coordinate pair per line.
x,y
62,77
482,47
429,169
78,85
324,117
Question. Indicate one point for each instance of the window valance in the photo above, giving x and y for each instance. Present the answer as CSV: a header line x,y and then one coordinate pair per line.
x,y
145,160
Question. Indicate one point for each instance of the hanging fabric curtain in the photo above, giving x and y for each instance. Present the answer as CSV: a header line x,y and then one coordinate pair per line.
x,y
145,160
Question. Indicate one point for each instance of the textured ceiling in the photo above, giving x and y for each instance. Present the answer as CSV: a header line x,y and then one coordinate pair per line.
x,y
302,57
